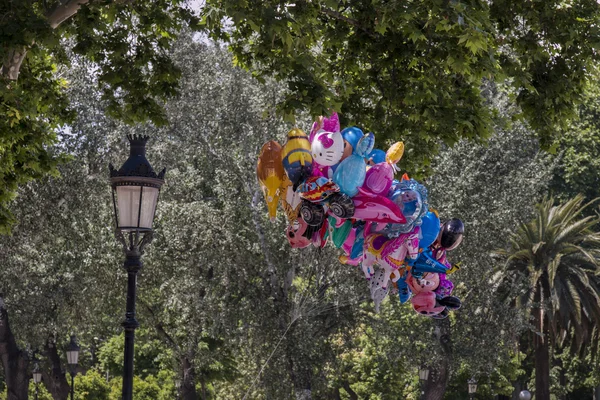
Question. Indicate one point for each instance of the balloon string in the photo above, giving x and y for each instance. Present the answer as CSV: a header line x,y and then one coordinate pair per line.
x,y
268,359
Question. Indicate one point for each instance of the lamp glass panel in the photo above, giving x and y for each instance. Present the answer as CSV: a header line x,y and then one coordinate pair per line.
x,y
472,387
37,377
72,357
149,200
128,204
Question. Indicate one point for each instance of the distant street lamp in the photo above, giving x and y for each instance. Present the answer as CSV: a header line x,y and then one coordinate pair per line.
x,y
525,395
135,189
472,388
37,378
423,376
72,361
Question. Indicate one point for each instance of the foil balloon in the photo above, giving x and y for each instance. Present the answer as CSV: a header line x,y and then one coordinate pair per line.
x,y
339,231
378,289
424,300
290,199
351,137
379,209
350,173
376,156
270,175
331,124
379,177
296,157
327,151
411,197
430,228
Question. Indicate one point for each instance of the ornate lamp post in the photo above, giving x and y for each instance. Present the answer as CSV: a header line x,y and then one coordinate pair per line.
x,y
135,189
525,395
37,378
72,361
472,388
423,376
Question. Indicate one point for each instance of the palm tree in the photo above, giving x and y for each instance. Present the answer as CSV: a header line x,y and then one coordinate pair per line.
x,y
553,263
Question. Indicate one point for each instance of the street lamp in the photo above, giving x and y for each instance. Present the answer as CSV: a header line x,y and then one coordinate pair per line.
x,y
472,387
37,378
423,376
72,361
135,189
525,395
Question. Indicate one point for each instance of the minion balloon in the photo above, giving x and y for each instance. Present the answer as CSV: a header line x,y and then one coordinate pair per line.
x,y
296,157
270,175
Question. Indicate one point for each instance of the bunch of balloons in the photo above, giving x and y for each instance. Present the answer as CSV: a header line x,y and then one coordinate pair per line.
x,y
333,185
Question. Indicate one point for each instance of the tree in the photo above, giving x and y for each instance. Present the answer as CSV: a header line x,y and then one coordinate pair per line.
x,y
579,168
126,43
555,258
491,187
414,69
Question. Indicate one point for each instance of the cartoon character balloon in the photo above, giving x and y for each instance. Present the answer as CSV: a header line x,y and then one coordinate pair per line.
x,y
334,187
379,177
296,157
350,173
270,175
411,197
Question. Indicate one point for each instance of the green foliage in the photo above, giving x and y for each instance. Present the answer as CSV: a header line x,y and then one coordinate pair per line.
x,y
91,386
159,387
150,355
127,45
556,257
414,69
580,149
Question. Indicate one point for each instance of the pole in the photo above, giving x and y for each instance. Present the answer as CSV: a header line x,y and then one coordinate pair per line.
x,y
133,264
72,385
36,390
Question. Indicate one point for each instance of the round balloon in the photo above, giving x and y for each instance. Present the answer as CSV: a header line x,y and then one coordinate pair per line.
x,y
430,228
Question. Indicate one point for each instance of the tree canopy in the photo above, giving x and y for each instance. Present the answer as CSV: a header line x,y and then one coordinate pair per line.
x,y
414,69
127,44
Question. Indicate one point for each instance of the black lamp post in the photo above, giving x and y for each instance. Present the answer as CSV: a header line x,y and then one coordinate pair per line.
x,y
135,189
72,361
472,388
423,376
37,378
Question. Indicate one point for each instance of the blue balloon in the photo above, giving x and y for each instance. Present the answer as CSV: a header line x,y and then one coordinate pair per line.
x,y
377,156
350,173
426,263
430,228
352,135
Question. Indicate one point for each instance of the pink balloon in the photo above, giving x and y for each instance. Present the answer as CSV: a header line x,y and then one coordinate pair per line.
x,y
379,178
375,208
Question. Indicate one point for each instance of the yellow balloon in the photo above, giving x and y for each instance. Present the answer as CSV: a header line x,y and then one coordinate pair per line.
x,y
395,153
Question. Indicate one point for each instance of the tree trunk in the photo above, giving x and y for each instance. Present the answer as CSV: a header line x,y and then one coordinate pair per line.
x,y
518,387
14,360
13,59
562,379
542,356
299,373
55,380
597,393
435,387
348,389
187,390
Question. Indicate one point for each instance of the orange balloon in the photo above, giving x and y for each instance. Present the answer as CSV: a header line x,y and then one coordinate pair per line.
x,y
270,173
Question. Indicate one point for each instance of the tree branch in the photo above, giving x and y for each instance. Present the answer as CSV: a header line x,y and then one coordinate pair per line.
x,y
160,328
15,56
339,16
63,12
